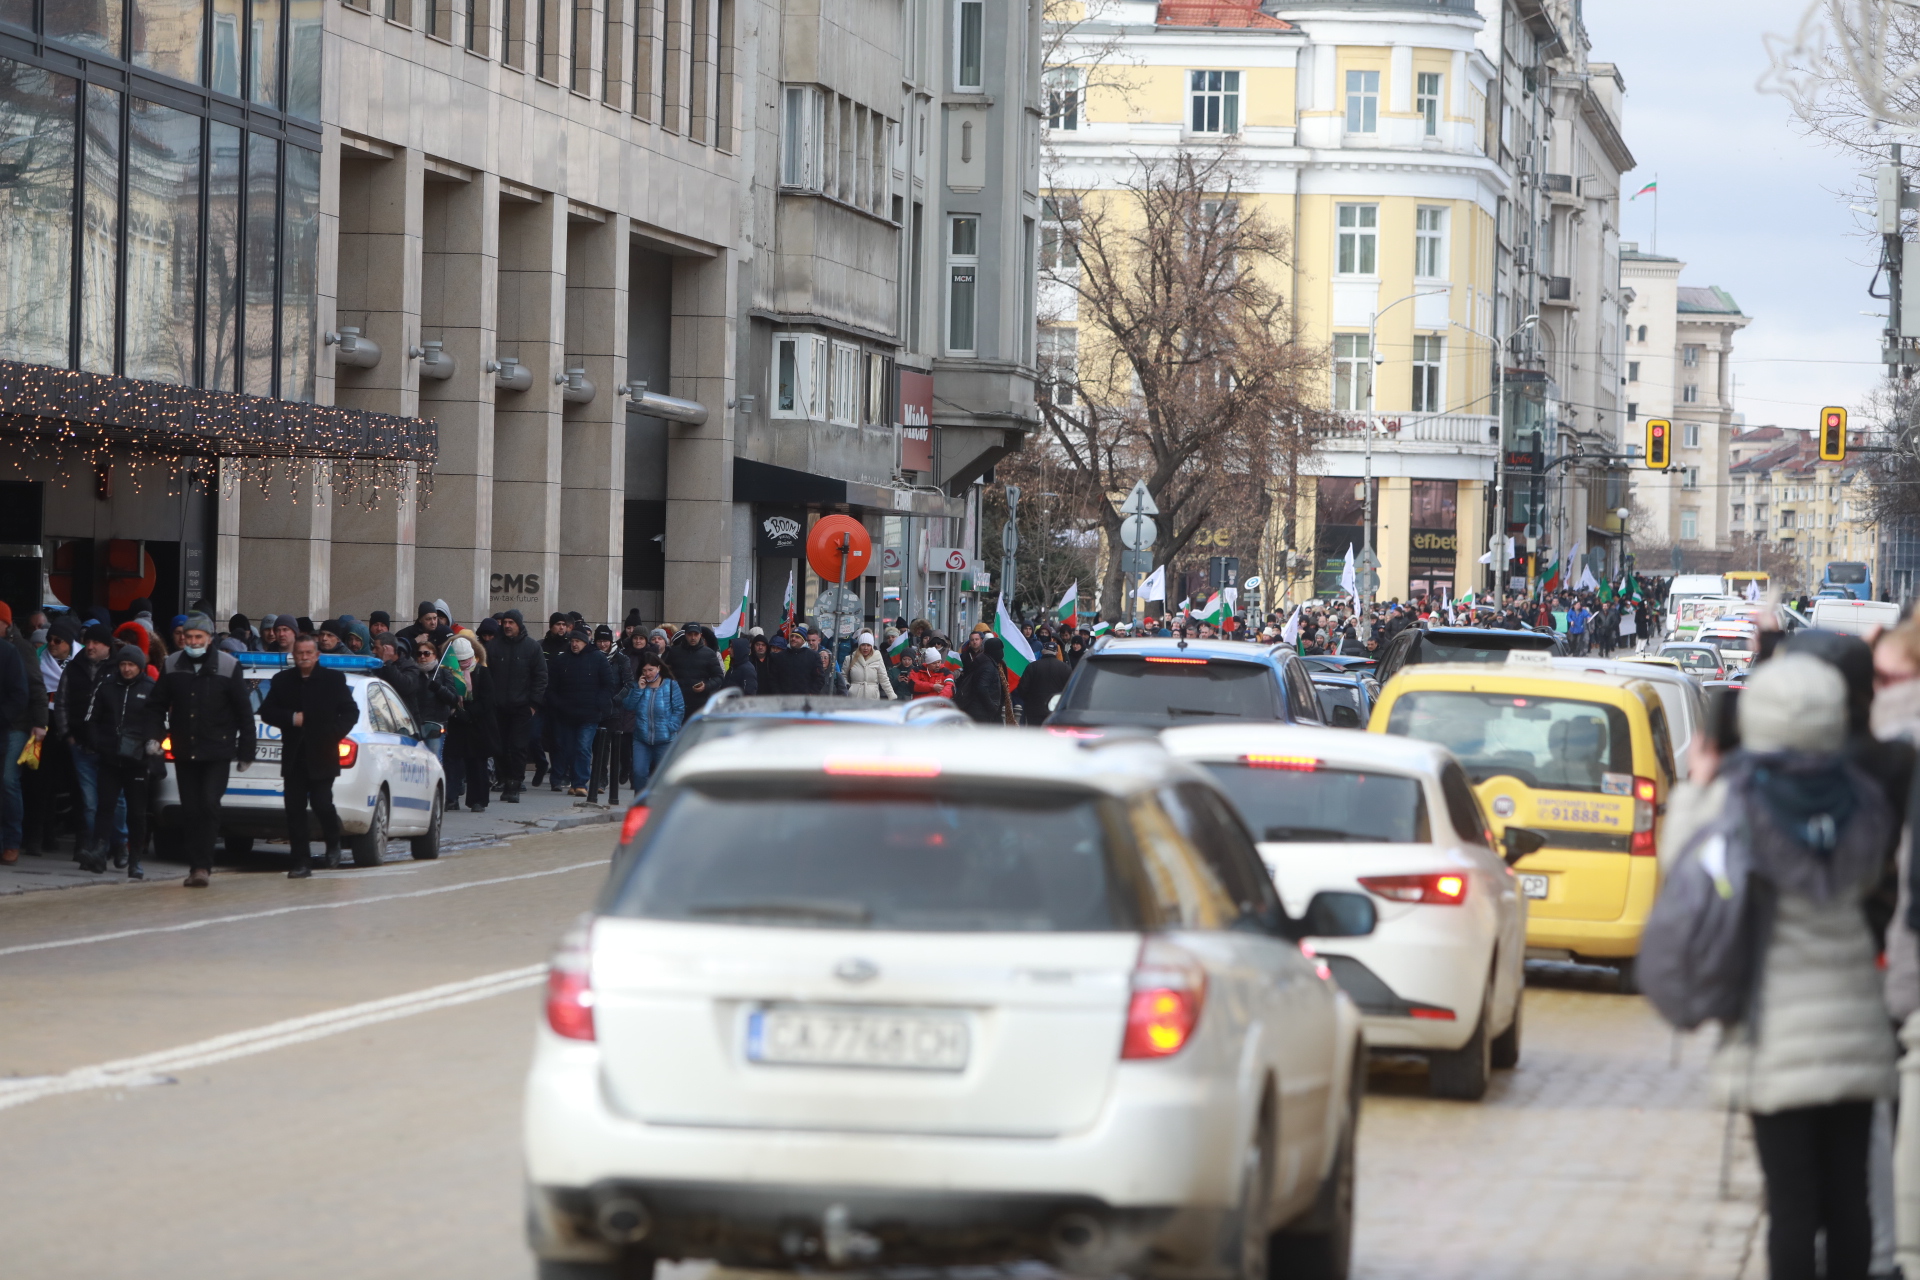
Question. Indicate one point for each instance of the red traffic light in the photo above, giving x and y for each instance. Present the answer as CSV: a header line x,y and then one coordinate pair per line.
x,y
1833,434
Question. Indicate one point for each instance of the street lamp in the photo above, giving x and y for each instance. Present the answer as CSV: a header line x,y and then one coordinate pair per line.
x,y
1496,561
1373,355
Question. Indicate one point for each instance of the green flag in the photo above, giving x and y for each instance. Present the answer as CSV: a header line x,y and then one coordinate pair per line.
x,y
1068,610
1101,628
900,645
452,666
1014,649
1215,610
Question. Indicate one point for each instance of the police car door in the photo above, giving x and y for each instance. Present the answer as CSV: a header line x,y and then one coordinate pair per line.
x,y
402,760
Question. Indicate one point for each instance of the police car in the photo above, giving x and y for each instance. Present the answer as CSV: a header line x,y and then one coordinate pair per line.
x,y
391,786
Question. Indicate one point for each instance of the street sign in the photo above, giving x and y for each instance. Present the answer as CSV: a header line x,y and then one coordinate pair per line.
x,y
1139,502
1136,561
1368,559
1138,532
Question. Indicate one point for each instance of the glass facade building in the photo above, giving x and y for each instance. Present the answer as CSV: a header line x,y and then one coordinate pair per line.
x,y
160,190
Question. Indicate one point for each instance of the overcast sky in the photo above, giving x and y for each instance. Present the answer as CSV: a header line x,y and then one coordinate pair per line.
x,y
1746,201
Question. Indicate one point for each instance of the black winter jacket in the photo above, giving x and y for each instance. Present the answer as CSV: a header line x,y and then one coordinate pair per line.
x,y
328,713
76,694
204,707
34,714
1043,678
429,695
695,665
796,671
580,686
980,692
114,703
519,672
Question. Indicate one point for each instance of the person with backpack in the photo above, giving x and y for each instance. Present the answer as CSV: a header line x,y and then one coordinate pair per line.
x,y
1761,927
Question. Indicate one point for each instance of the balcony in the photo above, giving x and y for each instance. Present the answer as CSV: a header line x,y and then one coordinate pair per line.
x,y
1559,291
1465,8
1391,430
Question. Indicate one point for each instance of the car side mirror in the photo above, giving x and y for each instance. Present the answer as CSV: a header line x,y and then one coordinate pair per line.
x,y
1346,718
1336,914
1521,841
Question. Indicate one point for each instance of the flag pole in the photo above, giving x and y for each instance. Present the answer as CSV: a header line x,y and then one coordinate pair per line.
x,y
1656,213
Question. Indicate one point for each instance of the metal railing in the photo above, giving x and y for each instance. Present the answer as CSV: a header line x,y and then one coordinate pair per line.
x,y
1421,428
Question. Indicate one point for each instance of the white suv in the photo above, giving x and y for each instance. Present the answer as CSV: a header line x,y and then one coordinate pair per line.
x,y
886,997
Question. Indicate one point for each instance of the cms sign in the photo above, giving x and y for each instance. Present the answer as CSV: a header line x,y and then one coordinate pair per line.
x,y
524,585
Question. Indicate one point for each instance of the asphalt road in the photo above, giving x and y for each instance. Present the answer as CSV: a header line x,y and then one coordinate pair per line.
x,y
322,1079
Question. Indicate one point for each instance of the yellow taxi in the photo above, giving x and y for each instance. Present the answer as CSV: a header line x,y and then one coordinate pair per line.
x,y
1585,759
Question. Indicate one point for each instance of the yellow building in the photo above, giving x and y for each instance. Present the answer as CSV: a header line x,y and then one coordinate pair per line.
x,y
1363,131
1818,512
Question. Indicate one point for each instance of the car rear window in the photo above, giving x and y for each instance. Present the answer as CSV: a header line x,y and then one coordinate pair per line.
x,y
1692,659
1181,688
1556,744
1295,804
1731,643
1338,695
1457,648
919,861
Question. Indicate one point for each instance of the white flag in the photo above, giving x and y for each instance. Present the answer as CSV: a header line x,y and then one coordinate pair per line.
x,y
1587,581
733,625
1154,585
1349,582
1753,588
1290,633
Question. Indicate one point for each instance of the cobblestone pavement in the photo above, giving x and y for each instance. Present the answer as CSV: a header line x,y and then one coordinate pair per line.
x,y
389,1148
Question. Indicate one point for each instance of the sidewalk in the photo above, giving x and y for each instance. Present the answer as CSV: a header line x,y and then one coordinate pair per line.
x,y
538,810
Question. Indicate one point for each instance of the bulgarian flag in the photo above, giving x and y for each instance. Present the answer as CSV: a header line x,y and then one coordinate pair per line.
x,y
1551,576
451,665
951,660
1466,599
1651,186
737,620
901,646
1014,649
1101,628
1068,610
1215,611
787,604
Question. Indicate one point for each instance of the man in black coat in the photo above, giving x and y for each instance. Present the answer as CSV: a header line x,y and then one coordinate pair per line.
x,y
519,677
313,709
201,703
696,667
1043,679
795,669
580,685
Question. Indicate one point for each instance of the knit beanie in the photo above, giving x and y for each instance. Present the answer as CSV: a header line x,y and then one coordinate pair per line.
x,y
1794,703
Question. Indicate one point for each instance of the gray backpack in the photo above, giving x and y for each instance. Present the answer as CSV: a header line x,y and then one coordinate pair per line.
x,y
1700,952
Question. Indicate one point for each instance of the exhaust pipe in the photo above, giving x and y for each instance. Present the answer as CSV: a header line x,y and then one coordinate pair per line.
x,y
1074,1236
623,1220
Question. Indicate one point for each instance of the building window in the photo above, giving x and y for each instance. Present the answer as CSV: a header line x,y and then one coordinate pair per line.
x,y
1689,477
1059,228
1690,394
1633,371
803,124
1363,102
1065,88
1215,101
1428,359
1429,242
800,378
1643,333
963,268
879,396
1359,234
1352,371
844,400
968,45
1427,102
1690,434
1633,411
1689,524
1059,365
1689,356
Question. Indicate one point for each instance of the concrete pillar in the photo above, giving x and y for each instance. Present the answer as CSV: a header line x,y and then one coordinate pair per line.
x,y
460,288
1395,517
527,424
226,546
379,291
593,469
1400,79
1471,505
700,459
285,537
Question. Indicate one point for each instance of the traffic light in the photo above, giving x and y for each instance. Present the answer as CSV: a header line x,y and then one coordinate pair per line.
x,y
1659,438
1833,434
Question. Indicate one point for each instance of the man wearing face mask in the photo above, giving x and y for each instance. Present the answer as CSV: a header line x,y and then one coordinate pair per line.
x,y
314,709
201,703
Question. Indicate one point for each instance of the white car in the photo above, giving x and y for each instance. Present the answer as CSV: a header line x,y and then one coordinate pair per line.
x,y
1682,699
884,997
391,784
1443,973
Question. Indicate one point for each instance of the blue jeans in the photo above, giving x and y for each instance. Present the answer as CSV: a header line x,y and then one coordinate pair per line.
x,y
13,811
86,767
572,753
646,758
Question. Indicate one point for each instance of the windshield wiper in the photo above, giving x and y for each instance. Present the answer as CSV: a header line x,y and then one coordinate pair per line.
x,y
1198,711
1313,833
798,909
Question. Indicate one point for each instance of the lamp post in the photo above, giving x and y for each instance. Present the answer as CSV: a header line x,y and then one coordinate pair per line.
x,y
1375,361
1496,560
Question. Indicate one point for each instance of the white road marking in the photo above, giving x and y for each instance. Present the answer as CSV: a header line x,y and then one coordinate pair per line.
x,y
134,1072
283,911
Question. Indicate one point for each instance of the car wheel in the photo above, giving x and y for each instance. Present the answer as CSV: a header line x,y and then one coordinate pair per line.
x,y
370,850
1506,1045
1462,1074
1250,1243
1628,976
638,1266
1319,1245
426,846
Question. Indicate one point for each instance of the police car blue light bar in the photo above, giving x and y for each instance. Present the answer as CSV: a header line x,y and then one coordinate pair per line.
x,y
344,661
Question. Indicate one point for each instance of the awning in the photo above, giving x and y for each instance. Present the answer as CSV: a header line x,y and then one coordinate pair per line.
x,y
764,482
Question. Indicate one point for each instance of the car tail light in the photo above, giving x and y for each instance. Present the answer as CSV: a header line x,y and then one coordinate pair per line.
x,y
630,825
1644,792
1298,764
570,985
882,768
1446,889
1169,989
349,752
166,746
1431,1013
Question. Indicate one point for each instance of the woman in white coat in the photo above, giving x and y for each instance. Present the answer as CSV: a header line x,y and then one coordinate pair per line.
x,y
866,671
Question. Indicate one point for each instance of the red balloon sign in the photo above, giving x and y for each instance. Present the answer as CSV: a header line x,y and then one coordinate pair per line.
x,y
839,548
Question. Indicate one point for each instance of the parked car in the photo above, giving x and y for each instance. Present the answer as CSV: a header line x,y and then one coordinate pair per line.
x,y
1443,973
391,784
938,999
1346,701
1736,642
1854,617
1153,683
1681,695
1701,661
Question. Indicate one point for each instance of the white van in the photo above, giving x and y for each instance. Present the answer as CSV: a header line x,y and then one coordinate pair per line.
x,y
1854,617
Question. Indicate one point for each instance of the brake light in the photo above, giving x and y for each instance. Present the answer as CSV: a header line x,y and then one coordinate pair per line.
x,y
1185,662
570,985
630,825
1431,1014
349,752
1445,889
882,768
1643,789
1641,845
1298,764
1169,990
166,746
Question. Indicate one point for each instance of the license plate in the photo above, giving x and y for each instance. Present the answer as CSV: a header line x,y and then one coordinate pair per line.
x,y
1533,886
858,1038
265,750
